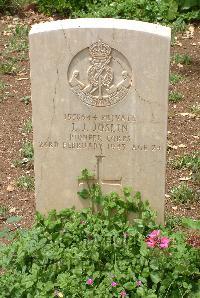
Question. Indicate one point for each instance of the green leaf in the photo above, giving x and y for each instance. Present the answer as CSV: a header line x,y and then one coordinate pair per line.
x,y
155,277
154,265
188,4
140,292
86,175
4,232
129,285
173,10
143,249
14,219
84,194
127,191
191,223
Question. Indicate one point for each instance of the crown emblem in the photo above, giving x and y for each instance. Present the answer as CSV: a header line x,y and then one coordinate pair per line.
x,y
99,50
101,84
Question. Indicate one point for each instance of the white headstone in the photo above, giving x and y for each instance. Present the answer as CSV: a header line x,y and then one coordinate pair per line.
x,y
99,96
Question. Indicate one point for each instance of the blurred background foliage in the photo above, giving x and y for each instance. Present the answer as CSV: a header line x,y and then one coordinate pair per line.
x,y
162,11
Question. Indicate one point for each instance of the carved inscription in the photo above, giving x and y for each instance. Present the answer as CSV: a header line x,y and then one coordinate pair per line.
x,y
105,81
99,175
99,133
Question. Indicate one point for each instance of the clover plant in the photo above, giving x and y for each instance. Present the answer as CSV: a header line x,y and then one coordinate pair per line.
x,y
113,249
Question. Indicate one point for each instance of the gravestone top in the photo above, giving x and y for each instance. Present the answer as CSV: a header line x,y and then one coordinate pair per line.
x,y
100,101
102,23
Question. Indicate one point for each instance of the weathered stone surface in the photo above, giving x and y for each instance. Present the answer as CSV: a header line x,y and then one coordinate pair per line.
x,y
99,95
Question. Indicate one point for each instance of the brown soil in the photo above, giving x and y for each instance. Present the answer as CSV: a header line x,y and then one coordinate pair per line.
x,y
183,129
183,123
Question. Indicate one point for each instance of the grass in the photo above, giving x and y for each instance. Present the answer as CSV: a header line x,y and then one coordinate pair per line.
x,y
196,176
2,87
16,46
175,96
27,151
175,78
196,109
25,182
26,99
178,26
3,211
3,91
19,39
189,161
18,42
20,162
21,31
27,128
182,59
172,222
27,154
13,6
182,193
9,66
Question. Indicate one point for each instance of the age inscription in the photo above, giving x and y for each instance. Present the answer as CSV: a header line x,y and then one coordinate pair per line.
x,y
99,133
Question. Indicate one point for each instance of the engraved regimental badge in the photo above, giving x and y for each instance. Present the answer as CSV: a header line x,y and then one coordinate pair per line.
x,y
100,75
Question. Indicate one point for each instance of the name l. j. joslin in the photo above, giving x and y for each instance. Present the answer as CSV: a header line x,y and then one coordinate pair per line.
x,y
100,127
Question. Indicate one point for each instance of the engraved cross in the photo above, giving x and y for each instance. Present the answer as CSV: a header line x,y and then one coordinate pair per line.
x,y
99,175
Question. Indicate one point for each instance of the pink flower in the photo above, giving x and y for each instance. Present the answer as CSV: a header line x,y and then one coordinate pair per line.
x,y
150,242
114,284
154,234
138,283
154,240
164,242
123,294
89,281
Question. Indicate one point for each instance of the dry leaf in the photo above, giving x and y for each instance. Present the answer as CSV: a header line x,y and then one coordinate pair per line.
x,y
21,79
12,210
173,147
22,73
190,32
10,188
184,114
190,115
7,33
11,26
178,43
182,146
180,65
184,178
195,137
191,29
174,207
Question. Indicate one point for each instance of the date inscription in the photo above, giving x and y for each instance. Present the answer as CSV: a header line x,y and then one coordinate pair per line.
x,y
99,133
